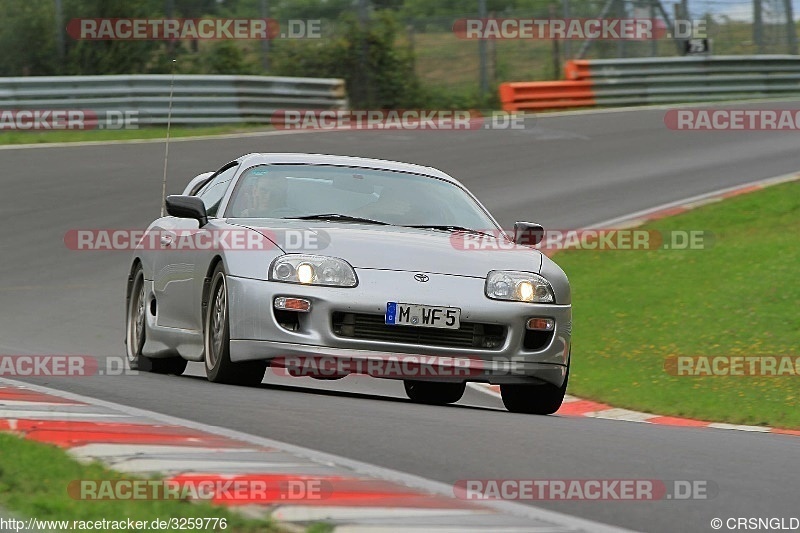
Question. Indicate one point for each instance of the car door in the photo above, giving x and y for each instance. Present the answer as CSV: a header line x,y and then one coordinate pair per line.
x,y
178,264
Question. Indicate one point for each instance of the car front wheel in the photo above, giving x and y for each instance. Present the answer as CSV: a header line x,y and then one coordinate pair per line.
x,y
539,399
216,340
135,333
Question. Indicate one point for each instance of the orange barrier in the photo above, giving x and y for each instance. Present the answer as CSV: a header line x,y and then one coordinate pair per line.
x,y
577,69
656,80
537,95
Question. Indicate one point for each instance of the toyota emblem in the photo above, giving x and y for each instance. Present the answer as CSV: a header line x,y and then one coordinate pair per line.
x,y
422,278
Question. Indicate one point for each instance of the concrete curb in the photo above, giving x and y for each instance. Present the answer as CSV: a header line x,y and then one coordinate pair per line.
x,y
347,494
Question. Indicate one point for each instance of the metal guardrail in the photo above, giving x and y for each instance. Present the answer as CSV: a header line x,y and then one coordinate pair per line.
x,y
641,81
197,99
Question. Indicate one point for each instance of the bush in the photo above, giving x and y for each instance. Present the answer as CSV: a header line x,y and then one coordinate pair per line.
x,y
378,72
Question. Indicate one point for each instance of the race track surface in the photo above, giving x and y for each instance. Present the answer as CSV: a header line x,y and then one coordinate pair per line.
x,y
563,172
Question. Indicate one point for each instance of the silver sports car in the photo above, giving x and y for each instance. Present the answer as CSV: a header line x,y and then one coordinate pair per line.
x,y
322,266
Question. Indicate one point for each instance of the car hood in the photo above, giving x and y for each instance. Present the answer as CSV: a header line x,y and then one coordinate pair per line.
x,y
396,248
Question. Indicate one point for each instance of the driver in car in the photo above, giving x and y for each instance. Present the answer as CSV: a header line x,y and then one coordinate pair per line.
x,y
399,205
268,198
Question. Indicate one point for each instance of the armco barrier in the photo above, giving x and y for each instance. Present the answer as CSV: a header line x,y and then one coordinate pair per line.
x,y
522,96
197,99
641,81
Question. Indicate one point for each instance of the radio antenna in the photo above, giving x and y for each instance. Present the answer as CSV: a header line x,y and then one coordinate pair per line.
x,y
166,147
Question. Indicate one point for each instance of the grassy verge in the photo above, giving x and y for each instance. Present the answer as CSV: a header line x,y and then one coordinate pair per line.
x,y
36,137
633,309
34,479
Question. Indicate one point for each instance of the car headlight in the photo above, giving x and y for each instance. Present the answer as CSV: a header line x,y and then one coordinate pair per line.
x,y
313,270
518,287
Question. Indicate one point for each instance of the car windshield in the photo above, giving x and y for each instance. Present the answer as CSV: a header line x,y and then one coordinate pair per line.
x,y
351,195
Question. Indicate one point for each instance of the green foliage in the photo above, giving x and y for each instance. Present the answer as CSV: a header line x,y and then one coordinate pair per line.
x,y
224,57
29,39
109,57
26,22
379,73
30,30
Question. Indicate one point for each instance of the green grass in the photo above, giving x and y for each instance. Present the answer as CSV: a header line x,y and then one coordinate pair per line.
x,y
444,60
633,309
36,137
34,479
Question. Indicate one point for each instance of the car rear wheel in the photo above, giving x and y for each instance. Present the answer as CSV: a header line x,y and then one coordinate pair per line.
x,y
216,340
434,393
135,334
539,399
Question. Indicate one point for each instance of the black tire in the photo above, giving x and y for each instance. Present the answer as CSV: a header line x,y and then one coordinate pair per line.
x,y
433,392
135,334
539,399
216,340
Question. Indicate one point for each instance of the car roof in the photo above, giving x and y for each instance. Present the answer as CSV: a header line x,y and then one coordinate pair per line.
x,y
341,160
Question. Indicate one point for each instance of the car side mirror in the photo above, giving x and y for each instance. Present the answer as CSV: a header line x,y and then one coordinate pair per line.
x,y
187,207
528,233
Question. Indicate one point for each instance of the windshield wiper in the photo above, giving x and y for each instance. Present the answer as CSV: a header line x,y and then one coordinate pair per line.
x,y
340,217
451,228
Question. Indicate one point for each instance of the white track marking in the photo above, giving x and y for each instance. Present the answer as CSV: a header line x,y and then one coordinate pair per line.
x,y
694,200
756,429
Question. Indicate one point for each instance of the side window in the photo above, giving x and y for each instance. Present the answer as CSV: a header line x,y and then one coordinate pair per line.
x,y
214,190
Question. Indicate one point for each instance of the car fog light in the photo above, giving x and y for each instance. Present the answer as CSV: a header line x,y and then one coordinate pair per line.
x,y
293,304
541,324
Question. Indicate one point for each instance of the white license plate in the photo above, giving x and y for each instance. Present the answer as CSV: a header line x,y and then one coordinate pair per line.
x,y
426,316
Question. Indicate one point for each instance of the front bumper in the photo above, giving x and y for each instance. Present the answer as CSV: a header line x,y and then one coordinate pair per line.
x,y
257,334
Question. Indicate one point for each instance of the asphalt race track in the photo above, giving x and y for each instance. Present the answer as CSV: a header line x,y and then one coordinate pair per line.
x,y
564,172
